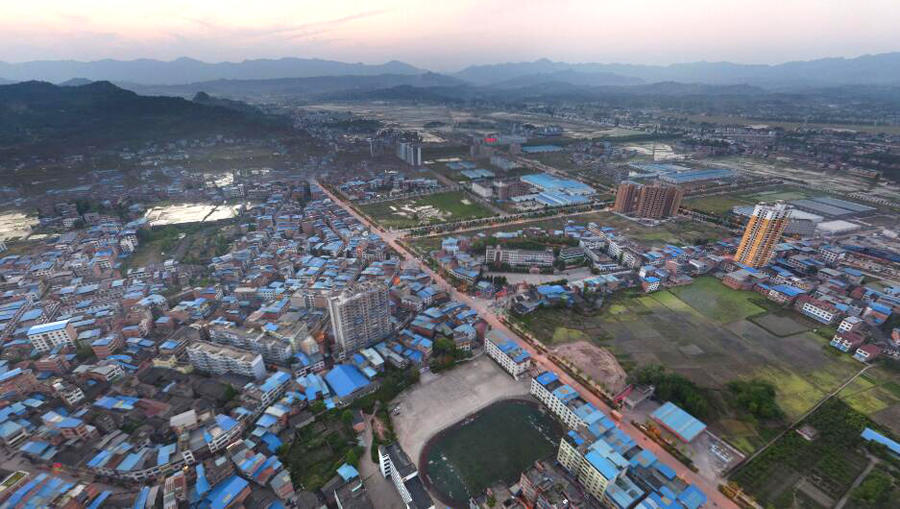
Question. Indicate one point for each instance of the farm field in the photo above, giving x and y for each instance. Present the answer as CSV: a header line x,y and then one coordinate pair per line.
x,y
679,232
710,334
435,208
795,472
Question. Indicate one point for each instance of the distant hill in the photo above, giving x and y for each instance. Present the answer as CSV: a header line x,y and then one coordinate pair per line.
x,y
43,116
75,82
187,70
204,98
881,69
571,77
307,88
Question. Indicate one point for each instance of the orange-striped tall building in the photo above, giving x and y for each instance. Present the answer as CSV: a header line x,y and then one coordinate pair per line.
x,y
651,201
762,234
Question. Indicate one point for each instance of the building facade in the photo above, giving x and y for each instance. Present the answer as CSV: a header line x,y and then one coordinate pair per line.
x,y
498,255
47,336
762,234
222,359
360,316
649,201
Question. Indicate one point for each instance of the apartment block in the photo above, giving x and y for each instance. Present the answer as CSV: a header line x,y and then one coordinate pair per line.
x,y
47,336
762,234
360,316
507,353
222,359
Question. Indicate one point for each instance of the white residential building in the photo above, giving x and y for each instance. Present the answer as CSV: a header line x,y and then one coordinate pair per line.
x,y
47,336
507,353
396,465
360,316
222,359
517,257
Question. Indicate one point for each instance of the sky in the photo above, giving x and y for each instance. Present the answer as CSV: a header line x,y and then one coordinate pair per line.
x,y
447,35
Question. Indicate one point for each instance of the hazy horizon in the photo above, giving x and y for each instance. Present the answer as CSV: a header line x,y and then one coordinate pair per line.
x,y
450,37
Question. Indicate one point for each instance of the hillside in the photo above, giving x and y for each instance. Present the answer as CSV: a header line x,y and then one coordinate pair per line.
x,y
101,114
307,88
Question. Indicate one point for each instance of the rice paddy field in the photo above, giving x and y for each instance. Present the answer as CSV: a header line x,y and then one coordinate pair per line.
x,y
712,334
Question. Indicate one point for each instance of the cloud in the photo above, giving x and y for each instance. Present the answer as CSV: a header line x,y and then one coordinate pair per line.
x,y
291,31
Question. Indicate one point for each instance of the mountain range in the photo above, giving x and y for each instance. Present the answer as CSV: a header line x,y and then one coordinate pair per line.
x,y
295,87
880,69
39,117
188,70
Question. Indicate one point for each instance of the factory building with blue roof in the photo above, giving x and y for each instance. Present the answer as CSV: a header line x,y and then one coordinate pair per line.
x,y
682,424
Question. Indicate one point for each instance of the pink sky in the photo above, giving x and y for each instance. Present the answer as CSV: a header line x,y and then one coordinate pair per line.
x,y
450,34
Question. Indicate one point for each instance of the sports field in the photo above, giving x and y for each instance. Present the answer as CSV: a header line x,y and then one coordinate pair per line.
x,y
431,209
709,333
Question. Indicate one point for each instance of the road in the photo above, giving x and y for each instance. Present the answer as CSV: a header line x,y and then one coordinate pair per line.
x,y
709,487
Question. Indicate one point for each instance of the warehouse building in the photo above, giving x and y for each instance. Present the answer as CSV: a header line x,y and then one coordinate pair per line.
x,y
680,423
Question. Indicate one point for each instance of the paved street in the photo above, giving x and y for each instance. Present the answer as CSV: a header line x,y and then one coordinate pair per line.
x,y
381,490
708,486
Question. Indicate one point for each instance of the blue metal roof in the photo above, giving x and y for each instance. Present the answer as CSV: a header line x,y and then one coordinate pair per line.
x,y
683,424
344,379
347,472
871,435
224,493
47,327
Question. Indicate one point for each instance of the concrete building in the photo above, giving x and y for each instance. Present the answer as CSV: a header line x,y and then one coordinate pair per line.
x,y
396,465
47,336
564,401
507,353
410,153
222,359
650,201
360,316
18,382
762,234
498,255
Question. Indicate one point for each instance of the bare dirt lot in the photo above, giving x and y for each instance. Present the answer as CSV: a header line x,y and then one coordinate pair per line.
x,y
594,361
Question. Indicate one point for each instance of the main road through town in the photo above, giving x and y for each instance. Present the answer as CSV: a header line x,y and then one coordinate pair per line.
x,y
709,487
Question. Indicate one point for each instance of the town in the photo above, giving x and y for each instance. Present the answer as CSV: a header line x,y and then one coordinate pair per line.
x,y
397,295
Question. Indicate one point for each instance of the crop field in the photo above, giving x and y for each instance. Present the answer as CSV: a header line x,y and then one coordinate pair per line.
x,y
431,209
877,395
795,472
706,332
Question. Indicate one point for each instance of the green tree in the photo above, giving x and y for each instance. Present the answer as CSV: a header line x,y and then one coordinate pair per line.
x,y
875,489
756,397
347,417
230,392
